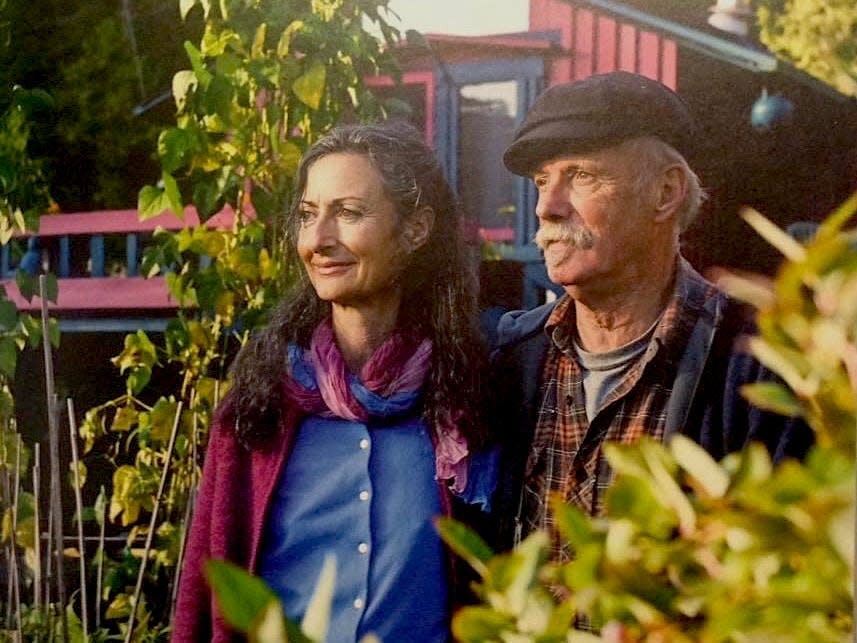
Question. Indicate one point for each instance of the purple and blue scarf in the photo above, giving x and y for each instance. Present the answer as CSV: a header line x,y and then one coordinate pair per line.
x,y
388,385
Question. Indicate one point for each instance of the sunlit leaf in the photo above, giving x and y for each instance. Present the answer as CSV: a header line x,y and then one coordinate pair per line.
x,y
772,397
781,240
125,418
317,615
240,596
465,542
309,87
185,6
477,623
270,625
700,466
162,419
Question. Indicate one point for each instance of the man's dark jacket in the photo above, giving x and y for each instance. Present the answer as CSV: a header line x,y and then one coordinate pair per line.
x,y
705,404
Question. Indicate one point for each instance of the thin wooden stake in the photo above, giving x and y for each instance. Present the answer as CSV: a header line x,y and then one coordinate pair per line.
x,y
49,564
56,466
138,590
100,569
37,562
188,516
7,501
84,604
14,536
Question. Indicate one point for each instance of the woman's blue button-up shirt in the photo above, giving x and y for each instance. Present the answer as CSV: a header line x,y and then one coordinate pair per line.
x,y
367,495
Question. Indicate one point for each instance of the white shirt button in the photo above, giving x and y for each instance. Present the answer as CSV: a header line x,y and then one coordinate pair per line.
x,y
358,603
364,444
363,548
364,495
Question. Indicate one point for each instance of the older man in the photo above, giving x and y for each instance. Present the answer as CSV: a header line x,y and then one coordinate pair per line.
x,y
640,344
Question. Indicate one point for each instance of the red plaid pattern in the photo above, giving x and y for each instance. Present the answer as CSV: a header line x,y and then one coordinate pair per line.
x,y
566,454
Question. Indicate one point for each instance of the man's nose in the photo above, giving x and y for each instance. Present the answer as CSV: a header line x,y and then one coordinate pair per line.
x,y
553,201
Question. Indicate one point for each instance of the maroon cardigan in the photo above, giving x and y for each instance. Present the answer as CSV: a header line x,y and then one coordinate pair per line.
x,y
229,516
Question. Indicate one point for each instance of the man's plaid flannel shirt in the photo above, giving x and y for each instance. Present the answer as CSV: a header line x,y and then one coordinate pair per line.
x,y
566,454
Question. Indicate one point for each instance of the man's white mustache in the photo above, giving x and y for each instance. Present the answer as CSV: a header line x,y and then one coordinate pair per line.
x,y
573,237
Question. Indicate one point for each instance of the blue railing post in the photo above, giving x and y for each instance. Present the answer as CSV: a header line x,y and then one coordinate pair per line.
x,y
64,260
96,255
132,251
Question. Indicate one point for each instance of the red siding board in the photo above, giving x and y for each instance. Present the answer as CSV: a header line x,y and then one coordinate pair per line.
x,y
606,60
669,64
627,48
584,43
649,61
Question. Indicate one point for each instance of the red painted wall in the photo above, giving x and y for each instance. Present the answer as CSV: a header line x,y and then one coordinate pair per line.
x,y
597,44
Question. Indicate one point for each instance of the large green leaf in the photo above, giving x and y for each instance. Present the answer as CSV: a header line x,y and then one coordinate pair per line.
x,y
27,284
772,396
241,597
8,314
309,87
700,466
8,357
465,542
175,148
478,623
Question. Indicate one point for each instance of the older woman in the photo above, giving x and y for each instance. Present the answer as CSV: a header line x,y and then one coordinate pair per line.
x,y
353,417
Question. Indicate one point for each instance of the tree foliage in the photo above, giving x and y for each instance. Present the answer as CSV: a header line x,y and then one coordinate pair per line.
x,y
98,150
818,36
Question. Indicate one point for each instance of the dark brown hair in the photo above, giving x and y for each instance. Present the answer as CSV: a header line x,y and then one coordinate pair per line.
x,y
438,301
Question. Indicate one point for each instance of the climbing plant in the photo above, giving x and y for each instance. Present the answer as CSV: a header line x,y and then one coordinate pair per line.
x,y
266,79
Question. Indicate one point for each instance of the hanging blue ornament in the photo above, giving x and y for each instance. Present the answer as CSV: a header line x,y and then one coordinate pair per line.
x,y
770,111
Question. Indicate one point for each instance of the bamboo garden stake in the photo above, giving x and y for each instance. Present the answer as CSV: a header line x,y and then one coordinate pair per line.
x,y
72,426
54,429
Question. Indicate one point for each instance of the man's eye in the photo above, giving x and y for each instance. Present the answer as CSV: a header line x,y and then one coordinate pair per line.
x,y
348,213
540,182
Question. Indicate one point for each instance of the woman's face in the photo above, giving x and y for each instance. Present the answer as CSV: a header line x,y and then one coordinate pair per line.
x,y
350,237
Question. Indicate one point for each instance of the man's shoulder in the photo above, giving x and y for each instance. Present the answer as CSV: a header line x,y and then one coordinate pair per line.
x,y
519,325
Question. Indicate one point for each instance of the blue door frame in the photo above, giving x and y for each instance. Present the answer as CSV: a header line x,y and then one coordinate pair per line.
x,y
529,75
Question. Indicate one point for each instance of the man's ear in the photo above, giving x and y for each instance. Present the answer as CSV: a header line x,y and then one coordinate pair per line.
x,y
671,192
418,228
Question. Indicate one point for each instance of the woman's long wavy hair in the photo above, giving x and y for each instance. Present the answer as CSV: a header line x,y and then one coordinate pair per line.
x,y
438,299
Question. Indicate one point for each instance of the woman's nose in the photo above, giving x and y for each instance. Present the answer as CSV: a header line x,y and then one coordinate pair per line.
x,y
321,232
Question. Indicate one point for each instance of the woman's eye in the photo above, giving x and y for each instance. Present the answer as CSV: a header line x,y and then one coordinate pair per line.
x,y
305,216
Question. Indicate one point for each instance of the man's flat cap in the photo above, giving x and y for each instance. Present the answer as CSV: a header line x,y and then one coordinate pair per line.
x,y
597,112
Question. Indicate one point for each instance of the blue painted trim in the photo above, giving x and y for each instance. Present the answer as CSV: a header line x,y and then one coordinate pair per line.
x,y
96,255
529,74
113,325
518,69
5,269
64,267
132,254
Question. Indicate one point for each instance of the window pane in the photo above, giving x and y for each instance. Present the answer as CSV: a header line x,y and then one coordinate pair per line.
x,y
486,120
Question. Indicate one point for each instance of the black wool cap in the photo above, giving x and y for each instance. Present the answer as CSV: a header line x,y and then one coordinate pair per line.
x,y
597,112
